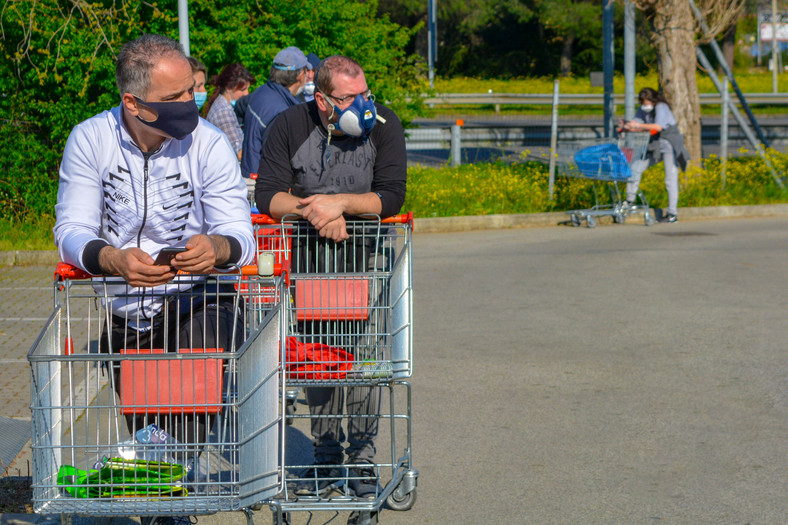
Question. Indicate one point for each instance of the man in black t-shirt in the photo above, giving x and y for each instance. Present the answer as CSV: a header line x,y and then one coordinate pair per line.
x,y
314,167
340,155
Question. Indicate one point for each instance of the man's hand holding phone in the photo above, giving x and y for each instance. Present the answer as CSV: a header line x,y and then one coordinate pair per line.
x,y
135,266
200,255
166,255
203,253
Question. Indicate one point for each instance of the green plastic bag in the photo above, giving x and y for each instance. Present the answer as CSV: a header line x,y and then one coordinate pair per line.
x,y
123,478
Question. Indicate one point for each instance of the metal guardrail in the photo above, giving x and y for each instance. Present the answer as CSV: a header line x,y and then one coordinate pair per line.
x,y
535,136
575,99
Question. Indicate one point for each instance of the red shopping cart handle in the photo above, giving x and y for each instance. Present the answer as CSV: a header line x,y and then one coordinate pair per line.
x,y
65,271
403,218
650,131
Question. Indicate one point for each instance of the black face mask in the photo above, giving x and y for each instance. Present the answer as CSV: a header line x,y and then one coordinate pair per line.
x,y
176,119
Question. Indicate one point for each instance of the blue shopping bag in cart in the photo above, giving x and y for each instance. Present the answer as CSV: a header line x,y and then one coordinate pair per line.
x,y
605,161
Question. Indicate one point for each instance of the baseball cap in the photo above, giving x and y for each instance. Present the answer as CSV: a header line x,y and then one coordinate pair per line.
x,y
313,60
291,59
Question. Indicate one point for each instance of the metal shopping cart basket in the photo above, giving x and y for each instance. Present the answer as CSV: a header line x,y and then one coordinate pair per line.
x,y
349,325
166,426
611,161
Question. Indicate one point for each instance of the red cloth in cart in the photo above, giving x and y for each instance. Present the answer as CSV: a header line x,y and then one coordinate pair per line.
x,y
316,360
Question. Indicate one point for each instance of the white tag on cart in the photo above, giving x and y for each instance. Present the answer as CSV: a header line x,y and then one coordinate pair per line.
x,y
265,264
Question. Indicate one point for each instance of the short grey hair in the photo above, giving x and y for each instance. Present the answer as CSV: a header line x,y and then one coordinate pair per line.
x,y
137,58
333,66
284,77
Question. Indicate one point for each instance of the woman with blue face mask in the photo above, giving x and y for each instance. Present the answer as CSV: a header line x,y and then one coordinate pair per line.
x,y
200,74
655,116
230,84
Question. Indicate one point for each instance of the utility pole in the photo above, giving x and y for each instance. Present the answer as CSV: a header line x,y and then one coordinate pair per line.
x,y
432,39
775,52
629,60
183,25
607,65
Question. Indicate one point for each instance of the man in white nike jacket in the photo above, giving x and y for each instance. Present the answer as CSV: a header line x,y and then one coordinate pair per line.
x,y
150,174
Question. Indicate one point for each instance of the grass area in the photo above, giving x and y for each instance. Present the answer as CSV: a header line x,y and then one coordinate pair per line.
x,y
749,81
28,234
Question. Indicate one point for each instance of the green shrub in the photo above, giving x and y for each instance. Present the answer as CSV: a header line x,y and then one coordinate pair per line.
x,y
484,189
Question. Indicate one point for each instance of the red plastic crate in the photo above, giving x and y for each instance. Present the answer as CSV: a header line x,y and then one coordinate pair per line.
x,y
332,299
171,385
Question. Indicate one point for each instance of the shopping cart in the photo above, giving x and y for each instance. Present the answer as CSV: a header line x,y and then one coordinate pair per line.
x,y
348,309
610,161
166,426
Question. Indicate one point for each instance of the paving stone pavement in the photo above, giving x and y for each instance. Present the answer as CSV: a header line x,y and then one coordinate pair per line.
x,y
26,302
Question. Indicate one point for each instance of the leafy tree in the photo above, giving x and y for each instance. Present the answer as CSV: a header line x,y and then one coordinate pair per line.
x,y
514,38
56,69
253,31
574,23
57,66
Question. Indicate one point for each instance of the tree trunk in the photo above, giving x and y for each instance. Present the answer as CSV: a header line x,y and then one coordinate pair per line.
x,y
673,38
566,54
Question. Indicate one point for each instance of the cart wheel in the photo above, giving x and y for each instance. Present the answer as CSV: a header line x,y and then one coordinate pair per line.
x,y
648,218
404,502
591,221
285,519
575,219
620,218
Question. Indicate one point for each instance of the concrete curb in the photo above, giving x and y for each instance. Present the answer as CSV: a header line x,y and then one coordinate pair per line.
x,y
473,222
29,258
530,220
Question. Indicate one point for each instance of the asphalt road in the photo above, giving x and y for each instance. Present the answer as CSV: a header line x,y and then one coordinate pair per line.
x,y
622,374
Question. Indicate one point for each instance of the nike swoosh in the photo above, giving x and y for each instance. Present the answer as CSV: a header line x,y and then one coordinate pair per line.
x,y
168,207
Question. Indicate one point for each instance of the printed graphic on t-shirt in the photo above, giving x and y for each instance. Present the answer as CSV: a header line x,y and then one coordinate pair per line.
x,y
348,169
163,208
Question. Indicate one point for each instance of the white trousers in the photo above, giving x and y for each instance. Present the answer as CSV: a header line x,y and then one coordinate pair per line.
x,y
671,180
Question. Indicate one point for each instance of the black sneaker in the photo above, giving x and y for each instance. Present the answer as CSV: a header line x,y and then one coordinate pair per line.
x,y
182,520
363,517
670,217
168,520
364,482
319,480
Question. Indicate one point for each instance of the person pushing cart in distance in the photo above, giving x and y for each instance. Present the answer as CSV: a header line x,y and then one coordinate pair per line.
x,y
145,176
668,144
340,155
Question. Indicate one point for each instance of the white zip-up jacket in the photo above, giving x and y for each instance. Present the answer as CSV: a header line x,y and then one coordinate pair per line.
x,y
109,191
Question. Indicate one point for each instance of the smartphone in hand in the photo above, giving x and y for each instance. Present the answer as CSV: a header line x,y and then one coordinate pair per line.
x,y
166,255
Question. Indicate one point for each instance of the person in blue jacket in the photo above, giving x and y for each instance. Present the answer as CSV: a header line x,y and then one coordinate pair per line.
x,y
286,82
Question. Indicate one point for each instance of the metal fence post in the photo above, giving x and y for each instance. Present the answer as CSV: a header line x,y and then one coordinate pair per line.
x,y
553,139
724,129
456,144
